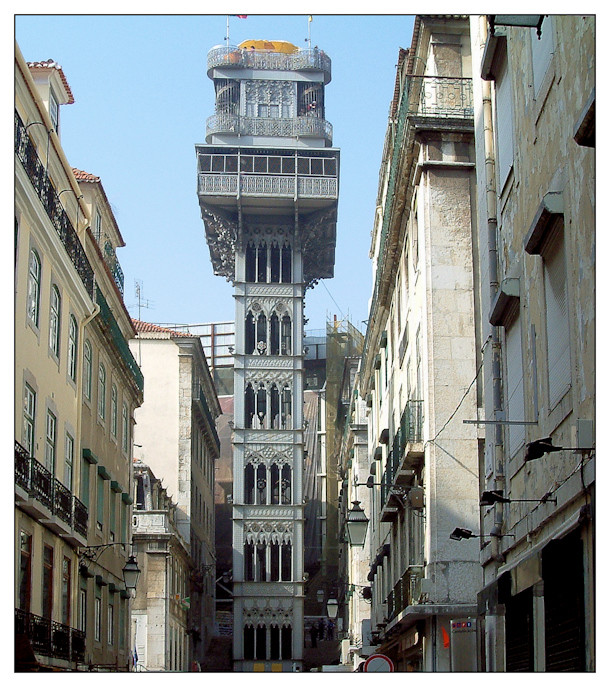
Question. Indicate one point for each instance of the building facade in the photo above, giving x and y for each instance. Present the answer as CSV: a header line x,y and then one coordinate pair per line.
x,y
71,604
268,188
112,388
420,363
160,608
175,435
534,100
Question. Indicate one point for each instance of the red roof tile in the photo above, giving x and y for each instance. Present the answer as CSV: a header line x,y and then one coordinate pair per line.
x,y
85,176
149,328
51,64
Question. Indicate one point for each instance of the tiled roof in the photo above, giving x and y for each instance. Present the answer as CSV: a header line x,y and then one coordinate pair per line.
x,y
51,64
85,176
149,328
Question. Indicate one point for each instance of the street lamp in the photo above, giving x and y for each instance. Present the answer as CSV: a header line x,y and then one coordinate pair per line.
x,y
131,573
356,525
332,607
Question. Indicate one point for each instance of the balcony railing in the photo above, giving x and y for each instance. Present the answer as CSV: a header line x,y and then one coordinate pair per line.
x,y
406,591
311,127
119,340
440,96
39,484
26,152
50,638
114,266
234,57
410,431
267,185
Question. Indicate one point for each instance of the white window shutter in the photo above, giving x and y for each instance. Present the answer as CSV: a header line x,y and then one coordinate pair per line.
x,y
504,123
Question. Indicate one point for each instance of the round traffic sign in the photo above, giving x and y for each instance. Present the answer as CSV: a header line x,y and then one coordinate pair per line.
x,y
378,663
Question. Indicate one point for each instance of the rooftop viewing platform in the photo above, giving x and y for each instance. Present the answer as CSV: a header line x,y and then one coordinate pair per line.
x,y
272,55
298,127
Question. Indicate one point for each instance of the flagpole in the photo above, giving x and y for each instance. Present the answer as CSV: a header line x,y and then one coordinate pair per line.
x,y
309,18
227,36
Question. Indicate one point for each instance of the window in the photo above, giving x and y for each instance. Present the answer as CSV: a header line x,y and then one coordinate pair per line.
x,y
66,585
82,610
47,582
54,320
542,52
557,323
101,392
504,122
97,226
84,481
87,370
514,386
125,434
100,501
110,623
29,414
54,110
69,462
113,410
33,304
72,347
98,618
50,447
25,571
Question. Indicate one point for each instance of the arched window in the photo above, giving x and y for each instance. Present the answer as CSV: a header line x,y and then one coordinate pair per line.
x,y
274,338
249,562
54,320
261,334
261,643
251,262
261,404
275,261
261,268
286,263
261,562
87,370
101,392
250,334
274,474
286,417
249,407
249,642
274,643
286,484
33,304
275,407
286,339
286,643
261,485
114,410
125,428
275,562
72,348
286,562
249,484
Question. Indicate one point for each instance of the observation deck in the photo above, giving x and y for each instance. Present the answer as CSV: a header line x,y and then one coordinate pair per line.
x,y
235,57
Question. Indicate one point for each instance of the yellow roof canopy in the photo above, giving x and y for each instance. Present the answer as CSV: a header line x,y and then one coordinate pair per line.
x,y
268,46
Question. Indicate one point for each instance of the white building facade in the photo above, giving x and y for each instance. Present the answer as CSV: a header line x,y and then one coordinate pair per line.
x,y
268,188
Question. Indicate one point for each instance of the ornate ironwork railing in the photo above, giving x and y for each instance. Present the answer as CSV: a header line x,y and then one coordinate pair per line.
x,y
406,591
112,261
40,484
119,340
50,638
232,56
223,123
262,185
26,152
440,96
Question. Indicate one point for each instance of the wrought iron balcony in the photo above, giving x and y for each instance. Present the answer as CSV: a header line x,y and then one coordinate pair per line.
x,y
39,484
406,591
119,340
26,153
114,266
237,58
296,127
440,96
50,638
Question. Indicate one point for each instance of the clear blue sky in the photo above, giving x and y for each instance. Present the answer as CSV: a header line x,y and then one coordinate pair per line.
x,y
142,97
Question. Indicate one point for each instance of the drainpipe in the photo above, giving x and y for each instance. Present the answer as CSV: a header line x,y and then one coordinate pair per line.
x,y
492,242
495,662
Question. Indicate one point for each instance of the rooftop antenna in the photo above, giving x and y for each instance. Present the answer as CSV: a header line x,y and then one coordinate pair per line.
x,y
141,304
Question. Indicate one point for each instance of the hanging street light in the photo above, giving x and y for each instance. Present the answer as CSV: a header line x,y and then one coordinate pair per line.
x,y
332,607
356,525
